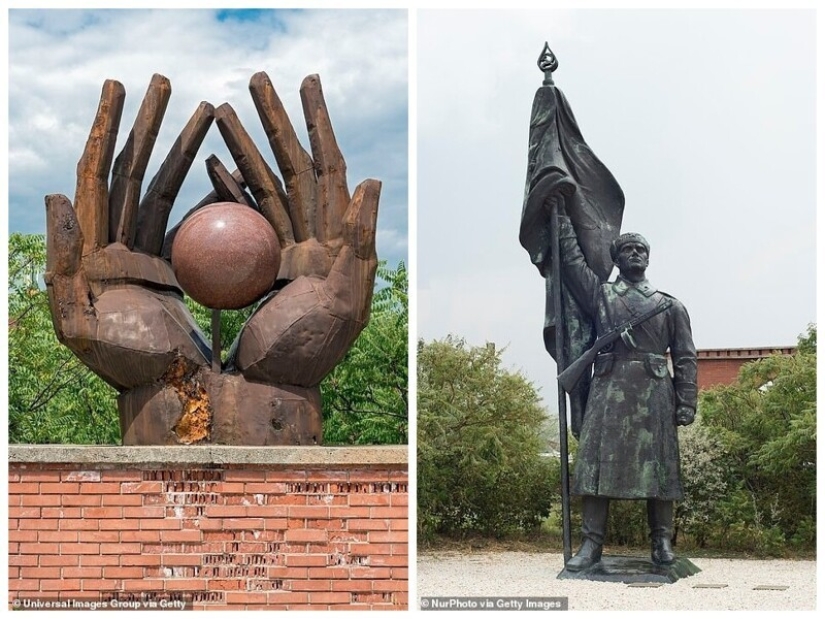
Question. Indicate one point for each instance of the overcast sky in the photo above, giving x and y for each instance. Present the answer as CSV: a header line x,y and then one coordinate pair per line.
x,y
705,118
58,61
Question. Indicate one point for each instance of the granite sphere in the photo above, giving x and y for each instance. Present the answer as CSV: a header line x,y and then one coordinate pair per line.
x,y
226,256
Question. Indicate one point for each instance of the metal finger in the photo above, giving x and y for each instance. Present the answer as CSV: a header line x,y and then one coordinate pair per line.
x,y
226,187
294,162
330,167
361,219
350,281
64,238
70,298
259,177
130,164
91,200
153,213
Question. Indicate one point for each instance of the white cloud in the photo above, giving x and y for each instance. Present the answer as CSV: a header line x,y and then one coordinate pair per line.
x,y
25,160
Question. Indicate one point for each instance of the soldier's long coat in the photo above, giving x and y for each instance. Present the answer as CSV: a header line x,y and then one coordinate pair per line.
x,y
628,447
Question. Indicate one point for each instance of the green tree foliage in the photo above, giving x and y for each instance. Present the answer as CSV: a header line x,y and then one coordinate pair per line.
x,y
53,398
231,323
766,423
365,396
480,468
706,478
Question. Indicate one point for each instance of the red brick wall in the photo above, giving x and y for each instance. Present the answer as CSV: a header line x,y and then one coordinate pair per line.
x,y
718,371
721,366
217,537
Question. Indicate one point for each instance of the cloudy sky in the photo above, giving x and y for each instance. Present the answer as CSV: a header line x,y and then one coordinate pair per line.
x,y
706,119
58,61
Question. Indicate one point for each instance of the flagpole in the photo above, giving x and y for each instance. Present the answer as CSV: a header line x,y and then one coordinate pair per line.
x,y
548,63
560,363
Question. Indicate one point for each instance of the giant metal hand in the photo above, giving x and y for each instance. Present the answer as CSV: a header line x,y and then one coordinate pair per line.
x,y
118,308
327,241
118,305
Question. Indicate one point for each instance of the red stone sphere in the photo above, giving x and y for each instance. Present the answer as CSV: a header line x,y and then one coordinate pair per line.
x,y
226,256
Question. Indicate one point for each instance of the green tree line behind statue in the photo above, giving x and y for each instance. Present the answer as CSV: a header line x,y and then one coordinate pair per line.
x,y
748,461
53,398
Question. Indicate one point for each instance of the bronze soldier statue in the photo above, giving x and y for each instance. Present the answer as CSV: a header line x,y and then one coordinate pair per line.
x,y
626,413
628,447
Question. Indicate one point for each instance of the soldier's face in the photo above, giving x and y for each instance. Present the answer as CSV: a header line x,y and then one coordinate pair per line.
x,y
632,258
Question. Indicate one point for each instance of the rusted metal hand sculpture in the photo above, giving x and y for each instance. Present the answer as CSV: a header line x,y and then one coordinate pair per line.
x,y
117,304
327,242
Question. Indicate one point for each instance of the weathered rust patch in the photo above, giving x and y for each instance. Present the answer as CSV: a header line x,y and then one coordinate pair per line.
x,y
195,423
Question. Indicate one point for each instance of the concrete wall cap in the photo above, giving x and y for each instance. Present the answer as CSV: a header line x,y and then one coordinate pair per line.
x,y
111,455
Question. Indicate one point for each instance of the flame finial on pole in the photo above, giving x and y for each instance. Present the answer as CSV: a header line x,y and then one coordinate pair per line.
x,y
548,63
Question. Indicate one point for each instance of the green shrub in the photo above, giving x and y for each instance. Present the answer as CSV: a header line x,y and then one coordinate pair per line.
x,y
480,468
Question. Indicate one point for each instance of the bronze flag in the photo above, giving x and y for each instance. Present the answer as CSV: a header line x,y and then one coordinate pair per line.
x,y
562,166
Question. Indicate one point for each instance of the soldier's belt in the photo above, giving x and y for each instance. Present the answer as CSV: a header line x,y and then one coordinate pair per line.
x,y
655,364
632,356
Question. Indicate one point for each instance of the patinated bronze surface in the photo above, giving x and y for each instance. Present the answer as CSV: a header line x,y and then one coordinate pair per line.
x,y
562,166
628,447
118,306
634,570
625,413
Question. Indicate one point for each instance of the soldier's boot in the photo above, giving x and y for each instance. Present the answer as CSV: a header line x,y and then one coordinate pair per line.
x,y
660,519
594,523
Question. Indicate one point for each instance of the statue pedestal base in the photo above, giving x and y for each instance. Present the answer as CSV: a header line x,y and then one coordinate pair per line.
x,y
199,407
633,569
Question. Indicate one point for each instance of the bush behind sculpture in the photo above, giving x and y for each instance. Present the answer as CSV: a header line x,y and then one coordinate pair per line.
x,y
765,424
480,468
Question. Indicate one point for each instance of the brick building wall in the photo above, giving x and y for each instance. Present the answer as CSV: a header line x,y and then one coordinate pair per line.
x,y
274,528
720,366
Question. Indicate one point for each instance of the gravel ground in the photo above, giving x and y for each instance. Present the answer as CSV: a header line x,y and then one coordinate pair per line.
x,y
534,575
